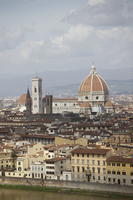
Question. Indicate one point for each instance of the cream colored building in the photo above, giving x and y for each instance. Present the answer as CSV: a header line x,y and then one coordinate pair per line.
x,y
120,170
89,164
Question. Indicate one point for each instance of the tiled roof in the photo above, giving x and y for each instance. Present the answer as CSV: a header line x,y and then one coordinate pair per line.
x,y
55,159
93,83
85,105
38,136
120,159
96,151
22,99
109,104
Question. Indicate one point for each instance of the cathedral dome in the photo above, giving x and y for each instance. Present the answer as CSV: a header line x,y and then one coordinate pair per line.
x,y
22,99
93,83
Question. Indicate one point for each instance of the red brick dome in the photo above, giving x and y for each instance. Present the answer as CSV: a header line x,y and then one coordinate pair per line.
x,y
93,83
22,99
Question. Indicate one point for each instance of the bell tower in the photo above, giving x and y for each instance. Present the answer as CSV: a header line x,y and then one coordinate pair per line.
x,y
37,96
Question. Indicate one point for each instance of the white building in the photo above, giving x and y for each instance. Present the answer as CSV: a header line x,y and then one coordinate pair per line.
x,y
92,97
37,96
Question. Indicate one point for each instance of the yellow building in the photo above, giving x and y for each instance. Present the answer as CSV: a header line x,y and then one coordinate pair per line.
x,y
7,161
89,164
120,170
79,141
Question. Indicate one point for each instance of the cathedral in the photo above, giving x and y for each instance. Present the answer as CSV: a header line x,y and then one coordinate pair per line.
x,y
92,98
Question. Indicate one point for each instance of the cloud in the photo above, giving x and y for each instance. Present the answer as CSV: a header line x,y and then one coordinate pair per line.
x,y
74,36
103,13
95,2
109,48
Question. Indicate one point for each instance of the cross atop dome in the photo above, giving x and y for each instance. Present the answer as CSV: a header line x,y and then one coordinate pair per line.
x,y
93,69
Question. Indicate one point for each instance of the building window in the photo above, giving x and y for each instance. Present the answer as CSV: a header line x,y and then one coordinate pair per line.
x,y
108,172
131,165
93,162
104,163
124,181
118,164
109,179
123,165
123,173
35,89
118,173
131,173
98,162
86,97
83,169
98,170
93,169
113,164
113,172
97,98
77,169
132,181
113,180
73,168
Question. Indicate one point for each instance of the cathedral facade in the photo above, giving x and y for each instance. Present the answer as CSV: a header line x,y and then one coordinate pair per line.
x,y
93,97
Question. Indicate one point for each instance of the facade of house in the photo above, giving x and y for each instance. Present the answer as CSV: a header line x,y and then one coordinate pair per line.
x,y
89,164
120,170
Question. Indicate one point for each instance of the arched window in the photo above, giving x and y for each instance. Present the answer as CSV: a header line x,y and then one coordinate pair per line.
x,y
35,89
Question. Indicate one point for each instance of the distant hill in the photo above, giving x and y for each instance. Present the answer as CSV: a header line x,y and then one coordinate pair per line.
x,y
66,83
115,87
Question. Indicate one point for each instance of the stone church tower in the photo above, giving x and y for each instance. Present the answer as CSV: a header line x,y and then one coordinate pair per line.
x,y
37,96
28,103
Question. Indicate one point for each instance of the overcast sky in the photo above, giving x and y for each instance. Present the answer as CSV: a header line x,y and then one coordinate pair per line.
x,y
40,35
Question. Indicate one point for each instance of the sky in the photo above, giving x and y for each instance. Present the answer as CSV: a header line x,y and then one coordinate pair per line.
x,y
58,35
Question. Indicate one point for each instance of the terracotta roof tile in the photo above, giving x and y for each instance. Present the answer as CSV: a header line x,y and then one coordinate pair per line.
x,y
90,151
120,159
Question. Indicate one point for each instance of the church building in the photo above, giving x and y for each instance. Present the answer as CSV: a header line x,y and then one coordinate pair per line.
x,y
93,97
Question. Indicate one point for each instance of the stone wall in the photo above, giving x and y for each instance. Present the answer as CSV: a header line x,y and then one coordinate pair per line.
x,y
68,184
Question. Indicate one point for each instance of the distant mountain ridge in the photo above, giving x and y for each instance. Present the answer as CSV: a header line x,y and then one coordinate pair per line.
x,y
67,82
115,87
